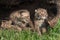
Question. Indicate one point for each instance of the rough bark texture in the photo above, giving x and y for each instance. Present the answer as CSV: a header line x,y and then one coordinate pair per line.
x,y
53,21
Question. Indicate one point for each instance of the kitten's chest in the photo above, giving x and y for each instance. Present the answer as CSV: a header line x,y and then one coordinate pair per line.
x,y
39,22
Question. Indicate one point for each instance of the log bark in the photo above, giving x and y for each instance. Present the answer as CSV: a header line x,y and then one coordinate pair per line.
x,y
57,17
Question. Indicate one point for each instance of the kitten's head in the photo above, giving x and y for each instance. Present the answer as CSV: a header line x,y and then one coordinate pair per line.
x,y
41,14
20,14
24,13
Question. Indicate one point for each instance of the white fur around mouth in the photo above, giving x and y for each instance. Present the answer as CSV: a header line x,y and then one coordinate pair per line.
x,y
43,17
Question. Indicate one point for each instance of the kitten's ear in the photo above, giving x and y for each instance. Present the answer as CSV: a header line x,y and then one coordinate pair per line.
x,y
35,10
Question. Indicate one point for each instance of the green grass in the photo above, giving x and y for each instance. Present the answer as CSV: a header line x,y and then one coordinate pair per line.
x,y
53,34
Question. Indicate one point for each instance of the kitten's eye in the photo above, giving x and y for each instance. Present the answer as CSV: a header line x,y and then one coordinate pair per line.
x,y
23,22
38,16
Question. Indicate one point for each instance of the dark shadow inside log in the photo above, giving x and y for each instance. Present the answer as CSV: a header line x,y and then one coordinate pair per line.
x,y
10,6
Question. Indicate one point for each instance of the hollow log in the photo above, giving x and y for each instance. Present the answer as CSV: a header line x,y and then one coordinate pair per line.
x,y
52,6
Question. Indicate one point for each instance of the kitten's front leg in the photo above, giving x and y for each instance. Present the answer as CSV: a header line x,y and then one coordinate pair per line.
x,y
38,29
43,30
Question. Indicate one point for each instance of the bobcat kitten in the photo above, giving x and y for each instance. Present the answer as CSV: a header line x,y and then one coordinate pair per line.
x,y
40,18
21,18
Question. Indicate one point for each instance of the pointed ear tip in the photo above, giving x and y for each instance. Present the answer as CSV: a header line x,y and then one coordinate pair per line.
x,y
35,10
